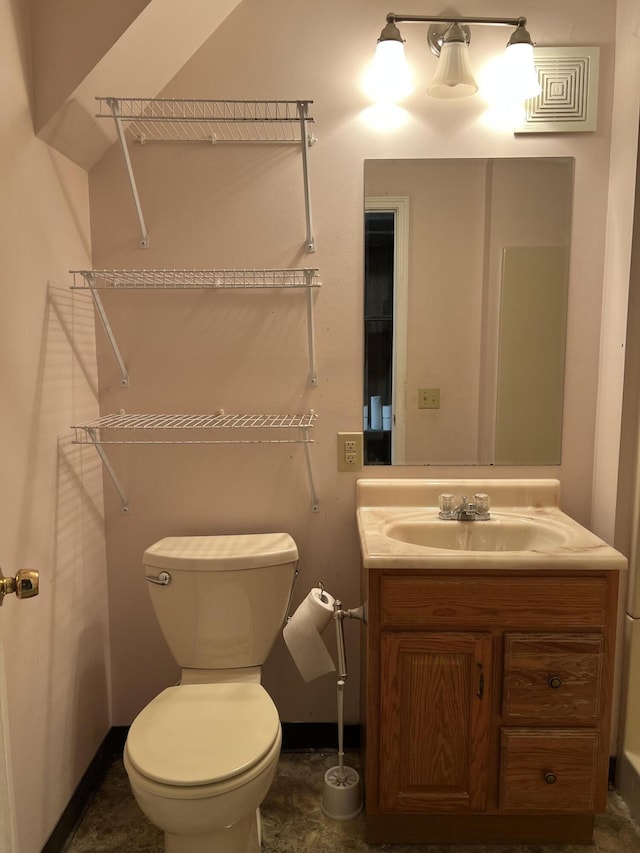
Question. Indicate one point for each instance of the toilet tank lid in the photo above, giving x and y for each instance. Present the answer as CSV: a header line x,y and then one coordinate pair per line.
x,y
211,553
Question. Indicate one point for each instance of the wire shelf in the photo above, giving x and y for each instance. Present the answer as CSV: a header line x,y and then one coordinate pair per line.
x,y
212,121
94,281
194,279
206,120
196,429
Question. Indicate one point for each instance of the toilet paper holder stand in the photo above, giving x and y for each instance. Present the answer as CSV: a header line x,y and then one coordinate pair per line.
x,y
342,792
342,797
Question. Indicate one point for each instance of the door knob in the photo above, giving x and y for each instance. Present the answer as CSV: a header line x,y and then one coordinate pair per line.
x,y
25,584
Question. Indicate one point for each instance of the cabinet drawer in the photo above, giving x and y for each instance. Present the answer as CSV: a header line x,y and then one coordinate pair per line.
x,y
471,602
553,676
552,770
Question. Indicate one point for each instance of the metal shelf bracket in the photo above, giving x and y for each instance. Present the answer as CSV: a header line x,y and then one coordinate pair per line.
x,y
315,502
305,142
90,281
91,434
114,104
309,275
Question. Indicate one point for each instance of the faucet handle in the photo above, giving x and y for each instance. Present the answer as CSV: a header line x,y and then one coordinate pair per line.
x,y
447,504
482,502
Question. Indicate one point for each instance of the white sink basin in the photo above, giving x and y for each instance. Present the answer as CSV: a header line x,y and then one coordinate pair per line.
x,y
500,533
399,528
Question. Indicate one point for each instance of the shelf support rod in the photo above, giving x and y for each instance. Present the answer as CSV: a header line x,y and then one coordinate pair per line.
x,y
109,469
313,375
114,104
124,374
315,503
303,114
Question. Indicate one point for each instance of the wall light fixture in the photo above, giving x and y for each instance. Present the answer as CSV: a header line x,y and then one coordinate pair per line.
x,y
448,38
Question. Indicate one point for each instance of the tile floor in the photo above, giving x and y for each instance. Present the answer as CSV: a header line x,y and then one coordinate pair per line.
x,y
293,821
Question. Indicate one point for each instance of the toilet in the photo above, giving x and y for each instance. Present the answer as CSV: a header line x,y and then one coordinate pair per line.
x,y
202,755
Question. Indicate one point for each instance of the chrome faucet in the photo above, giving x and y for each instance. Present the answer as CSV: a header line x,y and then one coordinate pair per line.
x,y
474,510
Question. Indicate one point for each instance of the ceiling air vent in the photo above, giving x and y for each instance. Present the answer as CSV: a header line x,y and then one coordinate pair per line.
x,y
568,99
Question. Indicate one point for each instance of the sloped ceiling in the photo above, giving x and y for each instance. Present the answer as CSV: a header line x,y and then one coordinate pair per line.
x,y
130,50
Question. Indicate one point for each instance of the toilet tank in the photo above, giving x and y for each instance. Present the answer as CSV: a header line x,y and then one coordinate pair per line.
x,y
227,598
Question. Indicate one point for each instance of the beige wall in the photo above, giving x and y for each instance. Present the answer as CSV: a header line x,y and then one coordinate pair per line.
x,y
69,39
619,234
222,207
55,690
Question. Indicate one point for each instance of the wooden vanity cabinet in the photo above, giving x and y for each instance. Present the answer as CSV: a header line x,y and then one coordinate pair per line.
x,y
487,704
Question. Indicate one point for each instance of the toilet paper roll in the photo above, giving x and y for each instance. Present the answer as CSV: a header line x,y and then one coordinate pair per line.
x,y
386,417
376,413
302,635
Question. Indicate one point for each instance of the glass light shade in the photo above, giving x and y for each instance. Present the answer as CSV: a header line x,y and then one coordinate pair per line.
x,y
520,74
389,78
453,77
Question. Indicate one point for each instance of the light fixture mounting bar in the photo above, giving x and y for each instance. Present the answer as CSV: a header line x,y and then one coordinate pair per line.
x,y
395,18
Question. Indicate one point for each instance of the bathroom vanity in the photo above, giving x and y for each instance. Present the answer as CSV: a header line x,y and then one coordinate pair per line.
x,y
487,676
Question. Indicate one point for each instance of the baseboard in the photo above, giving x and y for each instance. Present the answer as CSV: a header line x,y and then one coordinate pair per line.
x,y
628,781
303,737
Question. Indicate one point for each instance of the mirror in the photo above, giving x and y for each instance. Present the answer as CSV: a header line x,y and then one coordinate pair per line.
x,y
466,281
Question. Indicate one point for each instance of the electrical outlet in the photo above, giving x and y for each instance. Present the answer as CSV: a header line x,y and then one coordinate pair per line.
x,y
428,398
349,451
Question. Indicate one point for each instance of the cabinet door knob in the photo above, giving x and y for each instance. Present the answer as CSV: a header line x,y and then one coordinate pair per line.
x,y
550,778
554,682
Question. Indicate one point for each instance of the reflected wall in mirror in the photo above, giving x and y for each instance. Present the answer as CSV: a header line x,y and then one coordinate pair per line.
x,y
466,280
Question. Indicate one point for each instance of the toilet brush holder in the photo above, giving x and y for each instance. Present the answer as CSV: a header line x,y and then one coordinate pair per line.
x,y
342,791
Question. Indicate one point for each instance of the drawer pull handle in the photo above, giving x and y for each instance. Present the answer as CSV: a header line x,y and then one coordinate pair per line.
x,y
554,682
550,778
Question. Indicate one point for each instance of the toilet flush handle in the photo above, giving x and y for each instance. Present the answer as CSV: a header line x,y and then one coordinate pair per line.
x,y
162,579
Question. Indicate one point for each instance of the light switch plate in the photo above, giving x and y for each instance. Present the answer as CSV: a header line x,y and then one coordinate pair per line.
x,y
428,398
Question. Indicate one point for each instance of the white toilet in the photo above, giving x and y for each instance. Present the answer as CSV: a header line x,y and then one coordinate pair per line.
x,y
202,755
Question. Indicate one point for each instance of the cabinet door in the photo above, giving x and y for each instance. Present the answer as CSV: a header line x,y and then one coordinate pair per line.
x,y
434,721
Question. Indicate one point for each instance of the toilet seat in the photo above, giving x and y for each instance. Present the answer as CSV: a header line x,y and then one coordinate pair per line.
x,y
201,734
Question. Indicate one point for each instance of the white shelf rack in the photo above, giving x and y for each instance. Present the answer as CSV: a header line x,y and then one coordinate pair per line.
x,y
94,281
213,122
204,429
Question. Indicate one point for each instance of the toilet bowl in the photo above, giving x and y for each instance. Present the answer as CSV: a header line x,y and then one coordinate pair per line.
x,y
201,756
200,760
